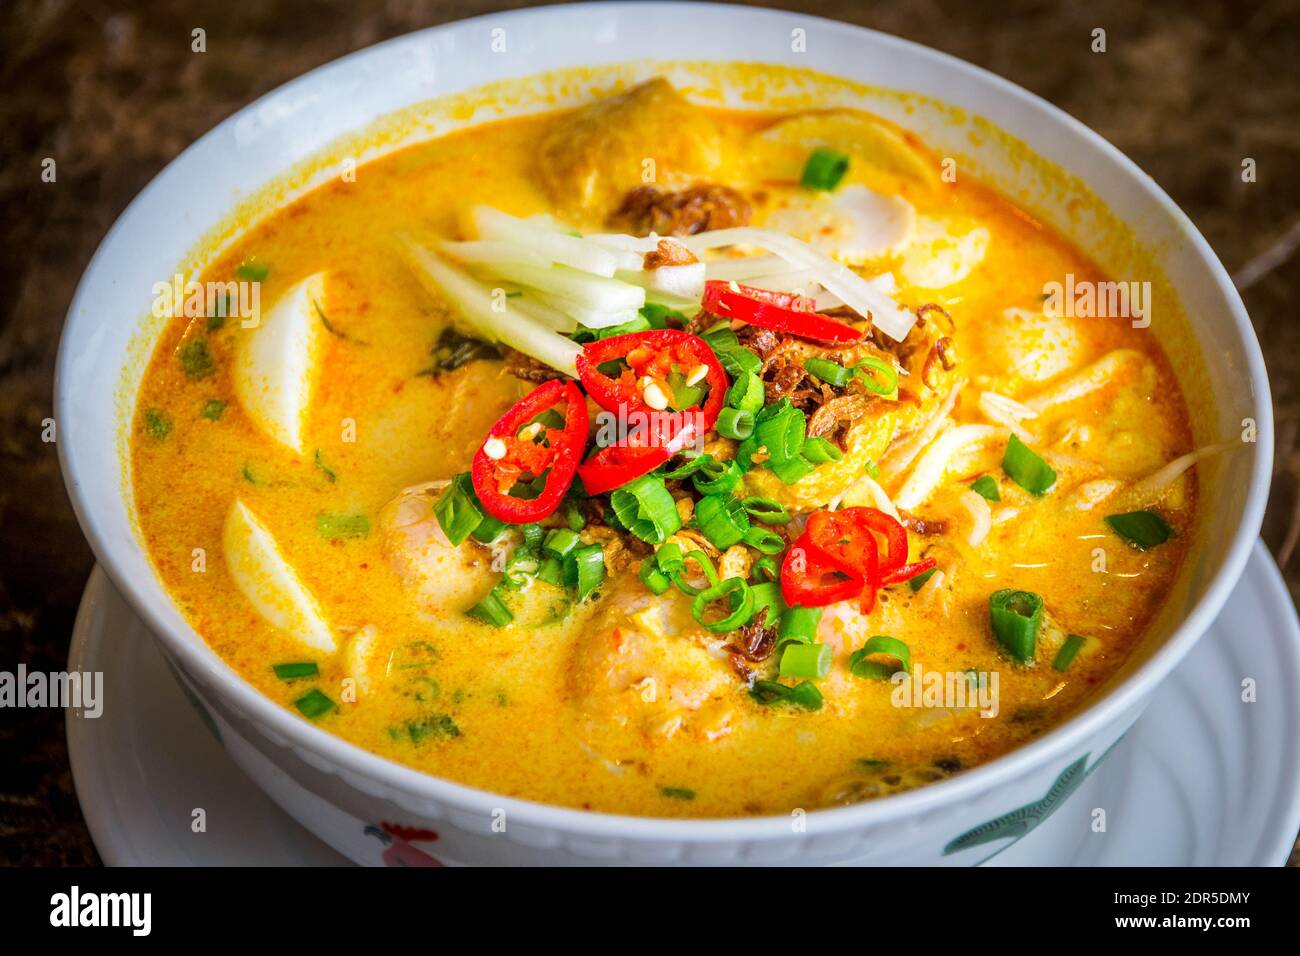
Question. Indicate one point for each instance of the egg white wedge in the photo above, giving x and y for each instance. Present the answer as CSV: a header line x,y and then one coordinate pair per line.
x,y
277,361
942,253
854,224
270,583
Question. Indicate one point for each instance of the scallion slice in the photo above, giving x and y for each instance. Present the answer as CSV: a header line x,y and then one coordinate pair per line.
x,y
792,470
918,582
738,361
885,379
764,541
314,704
653,578
799,624
717,477
458,510
741,604
861,665
584,570
735,423
560,541
746,393
1016,616
765,569
804,694
1141,529
706,566
767,596
492,610
722,519
669,558
646,509
824,169
551,572
766,510
986,487
818,450
780,429
1026,469
488,530
806,660
1069,650
295,670
691,467
832,373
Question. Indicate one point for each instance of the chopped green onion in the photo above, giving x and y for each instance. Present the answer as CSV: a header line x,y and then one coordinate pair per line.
x,y
1026,469
860,664
584,570
458,510
805,694
986,488
684,396
824,169
156,424
250,270
1069,650
766,510
533,534
677,793
780,429
765,569
314,704
1015,616
721,338
295,670
818,450
885,383
746,393
872,469
791,471
646,509
737,361
722,519
669,558
745,452
767,597
212,410
717,477
799,624
488,530
195,358
918,582
492,610
764,541
336,526
691,467
735,423
573,515
806,660
742,607
1142,529
706,565
832,373
653,578
551,572
560,541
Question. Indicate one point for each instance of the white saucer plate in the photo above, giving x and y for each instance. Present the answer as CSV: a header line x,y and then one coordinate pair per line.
x,y
1205,778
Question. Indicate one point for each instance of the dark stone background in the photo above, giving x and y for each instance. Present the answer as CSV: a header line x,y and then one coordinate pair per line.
x,y
112,91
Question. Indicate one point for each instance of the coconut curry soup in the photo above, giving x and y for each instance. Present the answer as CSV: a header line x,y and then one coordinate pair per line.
x,y
658,459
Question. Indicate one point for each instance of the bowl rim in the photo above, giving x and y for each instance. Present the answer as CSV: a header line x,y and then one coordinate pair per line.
x,y
399,781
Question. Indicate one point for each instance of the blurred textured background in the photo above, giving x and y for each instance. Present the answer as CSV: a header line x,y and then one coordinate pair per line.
x,y
112,91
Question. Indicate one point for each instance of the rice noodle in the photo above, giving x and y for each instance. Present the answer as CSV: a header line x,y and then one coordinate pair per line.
x,y
932,468
1092,493
981,517
878,497
1003,410
857,293
897,459
930,588
1086,381
1151,488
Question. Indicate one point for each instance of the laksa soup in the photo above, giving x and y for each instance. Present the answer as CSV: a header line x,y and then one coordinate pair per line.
x,y
666,460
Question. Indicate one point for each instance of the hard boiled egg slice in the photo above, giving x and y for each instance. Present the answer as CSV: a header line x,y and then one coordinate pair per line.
x,y
942,253
270,583
854,224
276,362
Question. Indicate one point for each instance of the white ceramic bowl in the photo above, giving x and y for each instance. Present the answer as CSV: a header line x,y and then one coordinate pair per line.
x,y
339,791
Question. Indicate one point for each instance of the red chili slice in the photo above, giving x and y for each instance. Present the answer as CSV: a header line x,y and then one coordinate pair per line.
x,y
848,536
556,454
814,578
663,436
652,354
906,572
778,311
